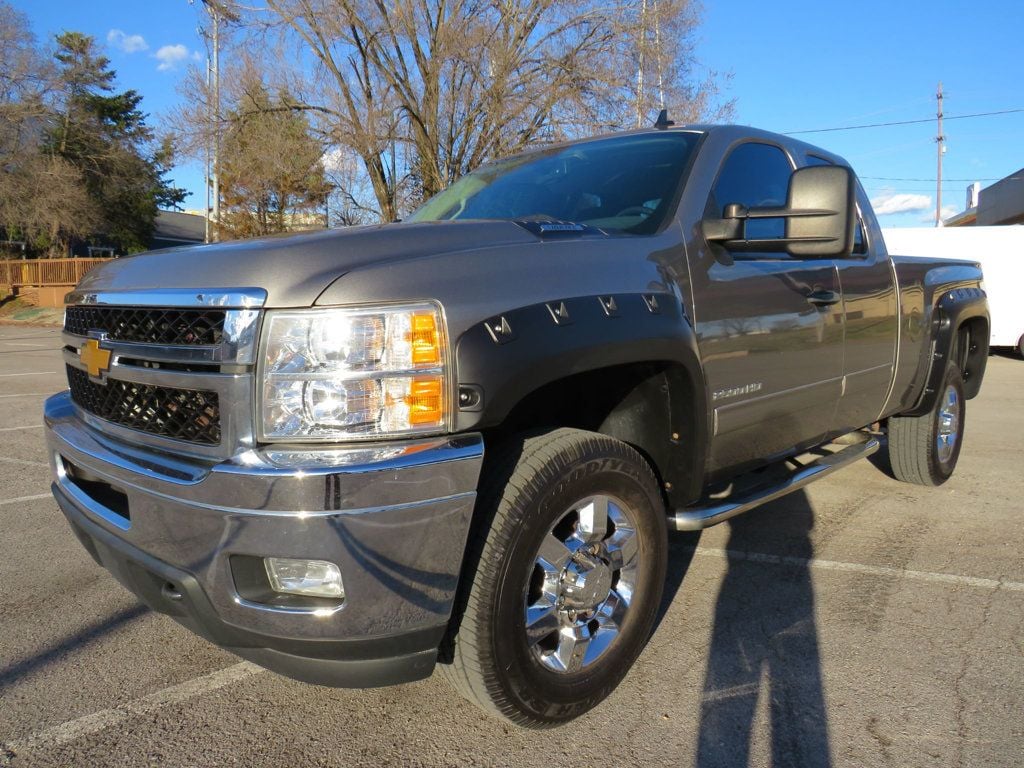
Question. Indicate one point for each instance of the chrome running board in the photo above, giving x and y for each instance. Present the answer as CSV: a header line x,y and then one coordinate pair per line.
x,y
697,517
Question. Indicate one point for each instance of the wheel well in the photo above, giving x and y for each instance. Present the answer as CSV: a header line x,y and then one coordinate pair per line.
x,y
653,406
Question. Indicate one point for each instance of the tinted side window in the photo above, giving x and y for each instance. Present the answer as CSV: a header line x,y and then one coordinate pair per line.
x,y
756,176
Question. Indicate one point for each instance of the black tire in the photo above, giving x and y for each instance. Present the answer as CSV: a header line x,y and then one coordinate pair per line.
x,y
1020,346
531,484
916,452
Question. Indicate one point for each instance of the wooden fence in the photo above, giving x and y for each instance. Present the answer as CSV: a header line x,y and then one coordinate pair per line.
x,y
45,272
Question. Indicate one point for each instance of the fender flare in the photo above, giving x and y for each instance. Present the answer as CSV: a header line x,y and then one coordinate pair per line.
x,y
506,358
953,309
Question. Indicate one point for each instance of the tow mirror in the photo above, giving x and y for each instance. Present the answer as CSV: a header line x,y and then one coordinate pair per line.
x,y
819,216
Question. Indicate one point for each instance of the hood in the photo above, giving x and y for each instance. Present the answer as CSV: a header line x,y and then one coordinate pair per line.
x,y
295,269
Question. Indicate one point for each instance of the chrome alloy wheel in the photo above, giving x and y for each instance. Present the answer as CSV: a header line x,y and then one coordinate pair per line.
x,y
581,586
948,431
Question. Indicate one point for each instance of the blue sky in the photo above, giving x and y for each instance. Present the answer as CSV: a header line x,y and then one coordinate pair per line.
x,y
806,65
795,65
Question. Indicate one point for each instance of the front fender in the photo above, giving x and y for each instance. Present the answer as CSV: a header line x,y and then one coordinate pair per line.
x,y
508,356
505,358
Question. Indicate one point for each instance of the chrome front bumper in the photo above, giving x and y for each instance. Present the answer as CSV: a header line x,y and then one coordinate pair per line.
x,y
394,518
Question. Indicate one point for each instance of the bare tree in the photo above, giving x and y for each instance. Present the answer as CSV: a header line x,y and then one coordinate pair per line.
x,y
422,91
42,193
657,38
24,74
39,192
352,200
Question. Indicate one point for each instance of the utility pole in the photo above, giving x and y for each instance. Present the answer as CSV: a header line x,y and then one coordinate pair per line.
x,y
940,141
660,57
206,147
212,178
641,45
214,11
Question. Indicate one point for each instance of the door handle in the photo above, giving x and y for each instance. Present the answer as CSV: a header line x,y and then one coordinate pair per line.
x,y
823,298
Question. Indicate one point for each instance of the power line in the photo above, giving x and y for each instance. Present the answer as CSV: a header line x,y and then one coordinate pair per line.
x,y
906,122
930,181
904,190
940,141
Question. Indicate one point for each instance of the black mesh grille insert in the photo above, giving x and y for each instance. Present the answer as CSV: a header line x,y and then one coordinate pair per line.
x,y
182,414
148,325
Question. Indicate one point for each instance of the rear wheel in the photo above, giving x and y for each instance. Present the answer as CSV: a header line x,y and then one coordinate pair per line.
x,y
924,449
566,578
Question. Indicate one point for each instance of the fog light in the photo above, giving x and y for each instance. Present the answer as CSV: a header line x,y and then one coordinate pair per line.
x,y
316,578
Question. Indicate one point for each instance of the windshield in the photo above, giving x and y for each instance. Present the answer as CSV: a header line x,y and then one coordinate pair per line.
x,y
626,183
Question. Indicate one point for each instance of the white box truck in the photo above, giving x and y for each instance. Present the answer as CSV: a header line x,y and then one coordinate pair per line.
x,y
999,250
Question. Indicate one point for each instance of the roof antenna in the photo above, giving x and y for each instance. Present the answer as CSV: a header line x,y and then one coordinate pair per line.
x,y
663,122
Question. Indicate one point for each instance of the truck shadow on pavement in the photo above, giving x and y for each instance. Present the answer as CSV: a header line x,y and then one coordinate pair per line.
x,y
880,459
764,643
12,674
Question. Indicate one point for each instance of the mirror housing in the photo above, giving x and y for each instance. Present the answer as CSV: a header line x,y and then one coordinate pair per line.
x,y
819,214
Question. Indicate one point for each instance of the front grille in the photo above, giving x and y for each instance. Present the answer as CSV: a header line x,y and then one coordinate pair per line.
x,y
181,414
148,325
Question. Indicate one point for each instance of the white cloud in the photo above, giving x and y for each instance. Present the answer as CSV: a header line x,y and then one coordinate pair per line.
x,y
889,203
334,160
946,212
170,56
125,42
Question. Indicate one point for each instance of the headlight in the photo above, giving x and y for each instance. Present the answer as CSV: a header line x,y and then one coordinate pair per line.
x,y
353,373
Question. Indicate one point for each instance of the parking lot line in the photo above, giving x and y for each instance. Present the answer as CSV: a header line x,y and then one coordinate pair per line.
x,y
28,373
24,344
107,718
13,429
874,570
20,499
25,462
71,730
28,394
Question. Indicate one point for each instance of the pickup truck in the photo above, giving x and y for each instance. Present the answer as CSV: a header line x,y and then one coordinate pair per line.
x,y
461,441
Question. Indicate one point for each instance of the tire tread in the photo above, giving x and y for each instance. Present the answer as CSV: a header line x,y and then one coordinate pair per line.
x,y
912,451
511,473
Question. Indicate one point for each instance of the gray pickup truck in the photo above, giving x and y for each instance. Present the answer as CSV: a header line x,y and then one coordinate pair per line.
x,y
461,440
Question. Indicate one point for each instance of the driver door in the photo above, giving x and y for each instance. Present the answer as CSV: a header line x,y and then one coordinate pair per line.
x,y
769,327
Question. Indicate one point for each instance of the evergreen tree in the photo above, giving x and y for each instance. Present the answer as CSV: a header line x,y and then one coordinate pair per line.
x,y
103,134
271,170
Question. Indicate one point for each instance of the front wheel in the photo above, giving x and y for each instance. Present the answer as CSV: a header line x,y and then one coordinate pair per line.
x,y
565,577
924,449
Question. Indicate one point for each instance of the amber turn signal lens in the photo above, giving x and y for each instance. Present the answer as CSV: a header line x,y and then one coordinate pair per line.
x,y
425,340
426,400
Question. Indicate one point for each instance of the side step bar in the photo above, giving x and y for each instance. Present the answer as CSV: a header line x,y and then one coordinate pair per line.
x,y
698,517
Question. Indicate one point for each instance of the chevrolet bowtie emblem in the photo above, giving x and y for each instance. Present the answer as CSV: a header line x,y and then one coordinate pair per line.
x,y
95,358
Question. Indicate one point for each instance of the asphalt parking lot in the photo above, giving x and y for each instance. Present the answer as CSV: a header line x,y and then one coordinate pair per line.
x,y
860,623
